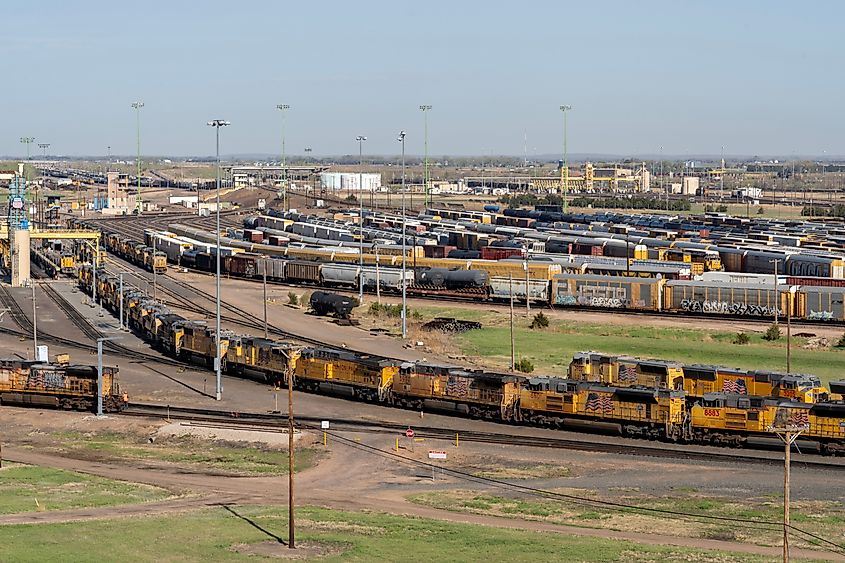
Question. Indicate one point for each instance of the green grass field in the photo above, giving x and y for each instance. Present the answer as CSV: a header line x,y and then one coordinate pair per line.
x,y
26,488
551,349
208,535
824,518
247,459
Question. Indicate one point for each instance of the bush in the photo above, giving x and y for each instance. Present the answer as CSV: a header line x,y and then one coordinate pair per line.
x,y
841,342
773,333
351,197
741,338
524,365
293,298
760,211
393,311
540,321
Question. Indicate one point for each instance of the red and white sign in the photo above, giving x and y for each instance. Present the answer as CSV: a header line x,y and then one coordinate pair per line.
x,y
410,433
436,454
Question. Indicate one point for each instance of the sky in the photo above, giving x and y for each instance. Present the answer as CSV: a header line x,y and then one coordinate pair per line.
x,y
754,77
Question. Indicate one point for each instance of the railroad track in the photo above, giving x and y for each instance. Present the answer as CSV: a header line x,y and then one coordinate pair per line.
x,y
248,420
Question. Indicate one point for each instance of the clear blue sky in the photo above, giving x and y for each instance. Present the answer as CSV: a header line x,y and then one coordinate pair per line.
x,y
760,77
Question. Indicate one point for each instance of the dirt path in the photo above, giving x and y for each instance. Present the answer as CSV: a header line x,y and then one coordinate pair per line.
x,y
319,486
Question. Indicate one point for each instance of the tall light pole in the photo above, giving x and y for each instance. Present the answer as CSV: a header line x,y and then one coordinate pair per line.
x,y
283,108
217,124
722,175
137,106
404,252
44,147
425,109
565,172
27,141
360,139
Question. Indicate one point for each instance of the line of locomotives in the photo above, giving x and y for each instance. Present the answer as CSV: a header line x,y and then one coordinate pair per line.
x,y
639,398
542,283
58,385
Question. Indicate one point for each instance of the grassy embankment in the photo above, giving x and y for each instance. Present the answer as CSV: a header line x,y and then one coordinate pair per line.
x,y
234,459
26,488
209,535
823,518
551,349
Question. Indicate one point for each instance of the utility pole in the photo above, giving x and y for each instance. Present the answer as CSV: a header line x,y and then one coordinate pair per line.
x,y
513,343
776,261
138,105
360,139
34,324
264,286
527,284
291,542
565,172
217,124
283,108
425,109
789,424
789,333
404,251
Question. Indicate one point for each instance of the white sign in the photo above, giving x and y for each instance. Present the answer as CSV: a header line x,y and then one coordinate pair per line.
x,y
262,203
436,454
324,425
41,354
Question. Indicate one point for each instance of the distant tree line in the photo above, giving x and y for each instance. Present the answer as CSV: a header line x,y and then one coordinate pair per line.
x,y
837,210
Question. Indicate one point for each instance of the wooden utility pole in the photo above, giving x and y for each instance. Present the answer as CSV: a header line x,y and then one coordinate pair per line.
x,y
291,542
788,432
513,345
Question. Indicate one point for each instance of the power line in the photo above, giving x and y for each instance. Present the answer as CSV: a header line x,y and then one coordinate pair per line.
x,y
574,499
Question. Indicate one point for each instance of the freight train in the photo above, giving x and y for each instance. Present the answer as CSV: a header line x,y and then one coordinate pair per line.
x,y
651,402
71,387
546,282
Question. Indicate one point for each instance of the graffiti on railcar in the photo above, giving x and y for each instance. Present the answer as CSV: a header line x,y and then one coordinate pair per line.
x,y
727,308
820,316
590,295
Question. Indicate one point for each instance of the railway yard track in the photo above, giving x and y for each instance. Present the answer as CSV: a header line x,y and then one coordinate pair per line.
x,y
595,443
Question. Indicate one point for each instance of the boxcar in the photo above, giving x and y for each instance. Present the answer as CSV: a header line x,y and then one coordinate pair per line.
x,y
301,271
586,290
820,303
739,299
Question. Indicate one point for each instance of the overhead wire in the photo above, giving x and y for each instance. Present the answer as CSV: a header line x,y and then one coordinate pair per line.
x,y
583,501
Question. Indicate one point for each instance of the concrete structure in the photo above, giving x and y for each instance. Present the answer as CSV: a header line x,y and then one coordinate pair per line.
x,y
20,257
689,186
117,197
350,181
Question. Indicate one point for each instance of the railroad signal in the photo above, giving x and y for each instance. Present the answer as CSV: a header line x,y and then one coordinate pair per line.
x,y
409,433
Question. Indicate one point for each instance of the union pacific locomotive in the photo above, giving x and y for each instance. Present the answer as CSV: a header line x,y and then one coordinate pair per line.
x,y
639,398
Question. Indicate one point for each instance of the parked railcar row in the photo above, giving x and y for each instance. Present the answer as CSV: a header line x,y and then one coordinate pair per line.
x,y
716,418
72,387
541,282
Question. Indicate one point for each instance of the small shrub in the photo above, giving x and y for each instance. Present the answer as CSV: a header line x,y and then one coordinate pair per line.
x,y
417,316
524,365
293,298
773,333
540,321
760,211
841,342
741,338
392,311
351,197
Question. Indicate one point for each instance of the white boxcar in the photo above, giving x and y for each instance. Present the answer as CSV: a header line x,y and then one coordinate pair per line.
x,y
339,274
538,290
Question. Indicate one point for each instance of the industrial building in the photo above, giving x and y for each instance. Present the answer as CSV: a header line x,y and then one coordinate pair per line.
x,y
350,181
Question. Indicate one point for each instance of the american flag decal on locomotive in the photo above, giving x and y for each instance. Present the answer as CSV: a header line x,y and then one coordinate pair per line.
x,y
457,386
628,374
736,386
599,403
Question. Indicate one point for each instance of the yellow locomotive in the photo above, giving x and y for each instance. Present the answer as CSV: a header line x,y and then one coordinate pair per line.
x,y
556,402
626,371
369,378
